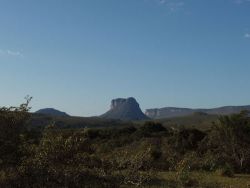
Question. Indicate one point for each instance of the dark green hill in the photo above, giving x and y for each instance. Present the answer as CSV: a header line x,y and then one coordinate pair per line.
x,y
51,111
197,120
43,120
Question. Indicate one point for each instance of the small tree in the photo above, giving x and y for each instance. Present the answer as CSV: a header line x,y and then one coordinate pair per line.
x,y
12,124
149,128
232,137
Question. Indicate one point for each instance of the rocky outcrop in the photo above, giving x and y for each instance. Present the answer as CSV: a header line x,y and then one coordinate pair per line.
x,y
125,109
169,112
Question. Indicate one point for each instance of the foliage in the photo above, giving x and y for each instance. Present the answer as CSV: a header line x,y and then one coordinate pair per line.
x,y
119,155
188,139
12,128
226,170
230,137
183,169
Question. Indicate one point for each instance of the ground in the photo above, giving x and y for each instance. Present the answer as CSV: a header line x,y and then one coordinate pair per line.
x,y
205,179
213,180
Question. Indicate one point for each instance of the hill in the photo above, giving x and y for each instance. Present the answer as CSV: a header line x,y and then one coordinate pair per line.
x,y
51,111
71,122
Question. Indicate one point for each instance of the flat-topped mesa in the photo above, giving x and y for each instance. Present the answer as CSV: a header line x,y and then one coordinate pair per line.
x,y
125,109
170,112
116,103
152,112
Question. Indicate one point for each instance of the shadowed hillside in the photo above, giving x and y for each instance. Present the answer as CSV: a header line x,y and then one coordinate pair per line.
x,y
42,120
51,111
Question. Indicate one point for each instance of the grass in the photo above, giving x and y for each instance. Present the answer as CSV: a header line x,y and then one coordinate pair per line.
x,y
204,180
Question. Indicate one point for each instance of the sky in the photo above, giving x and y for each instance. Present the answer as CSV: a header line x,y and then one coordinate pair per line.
x,y
78,55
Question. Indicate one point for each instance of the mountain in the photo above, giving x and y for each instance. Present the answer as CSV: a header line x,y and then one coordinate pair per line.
x,y
125,109
169,112
51,111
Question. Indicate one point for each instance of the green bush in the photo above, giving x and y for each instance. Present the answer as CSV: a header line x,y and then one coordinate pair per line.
x,y
92,133
114,157
226,171
12,128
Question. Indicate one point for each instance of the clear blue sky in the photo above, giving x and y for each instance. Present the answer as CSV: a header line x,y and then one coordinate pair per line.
x,y
77,55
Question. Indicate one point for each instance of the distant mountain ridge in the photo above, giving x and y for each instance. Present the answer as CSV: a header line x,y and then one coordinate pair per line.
x,y
169,112
52,112
125,109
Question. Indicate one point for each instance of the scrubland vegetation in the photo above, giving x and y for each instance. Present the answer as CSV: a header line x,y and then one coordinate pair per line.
x,y
149,155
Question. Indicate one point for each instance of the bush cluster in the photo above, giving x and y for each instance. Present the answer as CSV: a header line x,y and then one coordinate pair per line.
x,y
113,157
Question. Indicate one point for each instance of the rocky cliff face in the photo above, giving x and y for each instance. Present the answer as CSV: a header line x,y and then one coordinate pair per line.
x,y
125,109
169,112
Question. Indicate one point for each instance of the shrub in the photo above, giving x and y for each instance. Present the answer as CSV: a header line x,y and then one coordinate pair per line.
x,y
230,138
188,139
12,127
149,129
226,171
92,133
